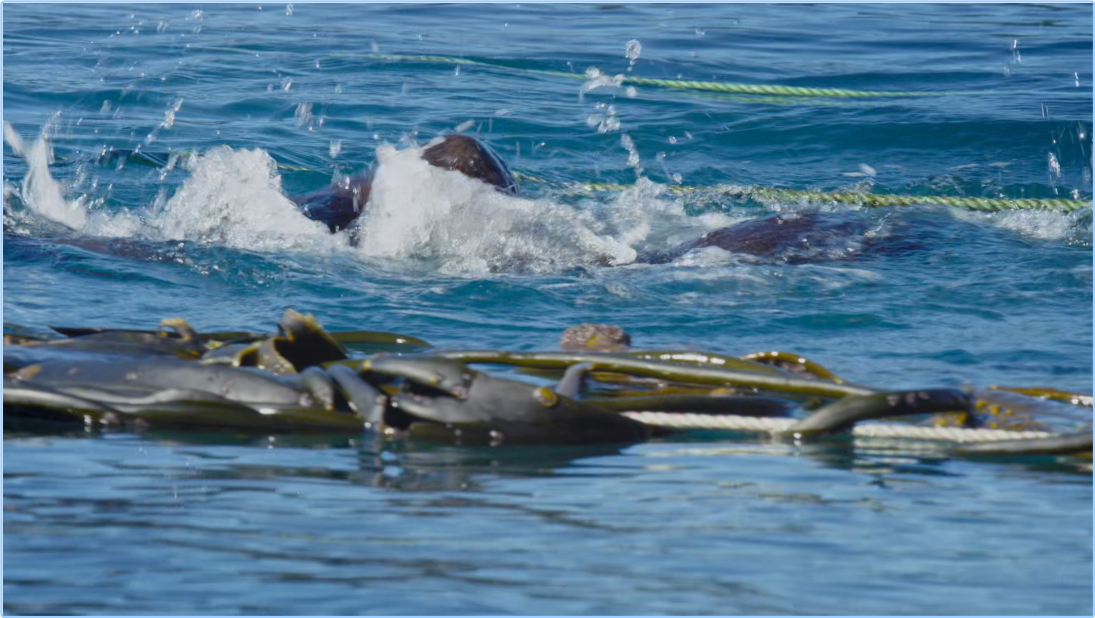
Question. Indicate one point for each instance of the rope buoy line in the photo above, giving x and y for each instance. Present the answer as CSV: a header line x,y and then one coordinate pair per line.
x,y
674,84
872,200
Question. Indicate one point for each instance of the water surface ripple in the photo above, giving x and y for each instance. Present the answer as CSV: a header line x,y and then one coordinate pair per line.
x,y
156,523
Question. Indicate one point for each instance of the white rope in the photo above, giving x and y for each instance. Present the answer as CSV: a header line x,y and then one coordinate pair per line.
x,y
865,430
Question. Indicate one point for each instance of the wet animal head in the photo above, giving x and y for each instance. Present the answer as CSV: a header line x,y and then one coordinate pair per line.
x,y
471,158
596,337
341,203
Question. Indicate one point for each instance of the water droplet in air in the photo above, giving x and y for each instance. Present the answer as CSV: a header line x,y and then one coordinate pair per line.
x,y
632,51
304,114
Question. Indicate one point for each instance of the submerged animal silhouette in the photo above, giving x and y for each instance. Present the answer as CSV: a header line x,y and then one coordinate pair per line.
x,y
789,237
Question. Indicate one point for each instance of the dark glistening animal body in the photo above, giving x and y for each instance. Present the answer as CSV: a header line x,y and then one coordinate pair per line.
x,y
789,237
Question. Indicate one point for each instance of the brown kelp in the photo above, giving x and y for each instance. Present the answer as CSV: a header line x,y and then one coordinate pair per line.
x,y
304,379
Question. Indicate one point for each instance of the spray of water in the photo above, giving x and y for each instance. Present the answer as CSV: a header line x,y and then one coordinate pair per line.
x,y
232,198
463,226
419,216
39,188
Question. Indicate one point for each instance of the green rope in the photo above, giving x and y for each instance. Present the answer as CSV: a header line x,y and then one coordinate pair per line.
x,y
871,200
985,204
675,84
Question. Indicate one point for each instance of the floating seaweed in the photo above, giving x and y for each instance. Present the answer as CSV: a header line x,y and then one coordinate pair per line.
x,y
304,379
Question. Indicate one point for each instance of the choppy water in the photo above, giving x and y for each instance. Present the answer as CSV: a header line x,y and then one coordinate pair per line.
x,y
157,523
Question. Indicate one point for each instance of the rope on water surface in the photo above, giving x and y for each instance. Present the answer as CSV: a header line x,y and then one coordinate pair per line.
x,y
678,84
866,430
871,200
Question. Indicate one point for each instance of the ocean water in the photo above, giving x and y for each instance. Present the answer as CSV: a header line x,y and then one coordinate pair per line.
x,y
245,104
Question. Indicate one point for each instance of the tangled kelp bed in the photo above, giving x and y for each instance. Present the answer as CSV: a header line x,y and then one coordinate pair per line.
x,y
304,379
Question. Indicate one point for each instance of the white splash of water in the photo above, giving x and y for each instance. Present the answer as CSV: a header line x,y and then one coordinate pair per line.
x,y
303,114
1054,167
1036,224
418,216
234,198
632,51
464,226
169,115
167,122
1040,225
596,79
606,121
40,191
632,154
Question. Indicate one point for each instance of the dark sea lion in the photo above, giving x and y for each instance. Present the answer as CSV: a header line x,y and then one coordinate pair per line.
x,y
792,238
341,203
472,158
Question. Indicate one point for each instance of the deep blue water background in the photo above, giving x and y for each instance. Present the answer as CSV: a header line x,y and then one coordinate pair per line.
x,y
155,523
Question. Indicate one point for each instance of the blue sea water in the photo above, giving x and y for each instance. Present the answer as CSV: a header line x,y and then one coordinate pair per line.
x,y
124,523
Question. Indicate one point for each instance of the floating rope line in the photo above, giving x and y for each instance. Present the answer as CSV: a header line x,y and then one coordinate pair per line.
x,y
871,200
675,84
986,204
753,424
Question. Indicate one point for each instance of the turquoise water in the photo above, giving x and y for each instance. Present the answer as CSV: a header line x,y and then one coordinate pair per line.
x,y
161,523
